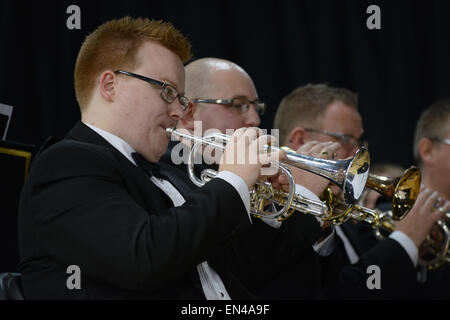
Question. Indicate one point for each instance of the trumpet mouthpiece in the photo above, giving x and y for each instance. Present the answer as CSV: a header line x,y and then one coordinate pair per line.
x,y
169,131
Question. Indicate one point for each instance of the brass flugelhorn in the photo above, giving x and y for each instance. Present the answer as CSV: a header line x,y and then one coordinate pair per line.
x,y
350,175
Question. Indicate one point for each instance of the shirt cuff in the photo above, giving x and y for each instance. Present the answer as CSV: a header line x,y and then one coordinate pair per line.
x,y
407,244
241,187
306,193
274,223
326,246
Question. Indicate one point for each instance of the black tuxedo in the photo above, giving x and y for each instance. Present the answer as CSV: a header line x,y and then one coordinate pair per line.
x,y
86,204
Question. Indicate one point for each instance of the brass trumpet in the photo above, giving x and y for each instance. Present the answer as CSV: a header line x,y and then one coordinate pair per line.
x,y
401,191
350,175
339,212
434,251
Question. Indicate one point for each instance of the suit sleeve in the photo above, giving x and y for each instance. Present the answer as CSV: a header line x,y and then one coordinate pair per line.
x,y
83,214
396,277
268,261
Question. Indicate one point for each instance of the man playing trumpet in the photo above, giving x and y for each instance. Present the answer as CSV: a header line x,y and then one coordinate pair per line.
x,y
224,97
322,113
96,200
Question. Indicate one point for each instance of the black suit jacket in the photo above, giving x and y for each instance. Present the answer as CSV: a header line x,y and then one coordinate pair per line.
x,y
347,281
85,204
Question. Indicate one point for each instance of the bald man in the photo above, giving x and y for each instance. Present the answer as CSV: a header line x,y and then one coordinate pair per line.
x,y
223,96
265,256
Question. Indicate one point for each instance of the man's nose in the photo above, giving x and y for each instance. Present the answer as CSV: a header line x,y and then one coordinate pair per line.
x,y
176,111
252,117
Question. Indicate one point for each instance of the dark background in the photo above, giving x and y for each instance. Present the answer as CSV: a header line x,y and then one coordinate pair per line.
x,y
397,71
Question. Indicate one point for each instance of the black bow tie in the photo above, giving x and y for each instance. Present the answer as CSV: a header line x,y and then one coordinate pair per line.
x,y
152,169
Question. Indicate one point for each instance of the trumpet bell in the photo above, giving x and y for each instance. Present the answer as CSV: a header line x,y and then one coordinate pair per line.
x,y
356,176
401,191
349,174
405,193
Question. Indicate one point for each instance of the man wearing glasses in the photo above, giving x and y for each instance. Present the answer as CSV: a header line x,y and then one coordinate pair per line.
x,y
96,203
223,97
432,147
432,154
323,113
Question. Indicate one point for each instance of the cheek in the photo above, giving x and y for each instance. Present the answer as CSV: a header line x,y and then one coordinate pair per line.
x,y
233,121
445,158
342,153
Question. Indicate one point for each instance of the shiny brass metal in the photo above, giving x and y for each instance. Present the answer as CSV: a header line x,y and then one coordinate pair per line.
x,y
401,191
339,212
434,251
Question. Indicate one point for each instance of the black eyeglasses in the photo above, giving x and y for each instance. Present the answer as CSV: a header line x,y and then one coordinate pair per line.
x,y
168,92
238,104
347,140
442,140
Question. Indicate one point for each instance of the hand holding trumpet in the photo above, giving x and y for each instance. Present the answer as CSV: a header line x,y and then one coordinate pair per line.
x,y
244,155
419,221
322,150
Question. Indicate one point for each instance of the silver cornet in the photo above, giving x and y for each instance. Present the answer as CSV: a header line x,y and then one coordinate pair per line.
x,y
350,175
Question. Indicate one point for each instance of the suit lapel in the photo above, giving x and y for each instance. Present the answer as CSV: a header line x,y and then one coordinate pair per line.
x,y
145,192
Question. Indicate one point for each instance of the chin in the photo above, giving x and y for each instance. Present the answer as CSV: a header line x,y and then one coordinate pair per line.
x,y
160,153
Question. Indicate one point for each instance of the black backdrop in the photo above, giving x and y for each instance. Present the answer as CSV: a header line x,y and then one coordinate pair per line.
x,y
397,70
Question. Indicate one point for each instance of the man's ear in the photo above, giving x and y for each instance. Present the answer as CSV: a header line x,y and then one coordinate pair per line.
x,y
187,121
297,138
426,150
107,85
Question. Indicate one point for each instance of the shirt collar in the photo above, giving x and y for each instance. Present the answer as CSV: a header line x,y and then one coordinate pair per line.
x,y
121,145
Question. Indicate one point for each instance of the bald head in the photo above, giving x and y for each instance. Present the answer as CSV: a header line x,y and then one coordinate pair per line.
x,y
205,76
213,78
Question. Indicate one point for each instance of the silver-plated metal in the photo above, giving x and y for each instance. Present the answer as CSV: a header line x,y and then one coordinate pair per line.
x,y
350,175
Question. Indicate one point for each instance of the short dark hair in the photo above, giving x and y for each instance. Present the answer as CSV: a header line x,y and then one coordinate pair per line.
x,y
431,124
307,104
